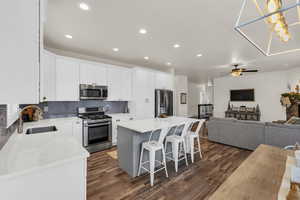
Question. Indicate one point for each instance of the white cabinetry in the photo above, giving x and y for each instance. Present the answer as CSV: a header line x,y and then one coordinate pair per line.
x,y
19,51
164,81
67,79
93,74
47,77
77,130
65,127
116,119
143,93
119,83
126,84
70,127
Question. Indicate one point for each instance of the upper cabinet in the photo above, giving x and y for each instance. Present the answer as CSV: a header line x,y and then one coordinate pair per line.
x,y
48,77
67,79
93,74
19,51
119,83
164,81
143,93
126,84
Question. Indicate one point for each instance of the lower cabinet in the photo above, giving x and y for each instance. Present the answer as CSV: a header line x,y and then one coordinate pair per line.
x,y
115,121
71,128
77,130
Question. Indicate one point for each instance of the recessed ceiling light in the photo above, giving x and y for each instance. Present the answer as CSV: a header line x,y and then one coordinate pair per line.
x,y
176,45
116,49
168,63
146,58
68,36
84,6
142,31
199,55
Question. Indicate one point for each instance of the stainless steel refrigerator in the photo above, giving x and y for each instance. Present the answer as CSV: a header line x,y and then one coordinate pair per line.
x,y
163,102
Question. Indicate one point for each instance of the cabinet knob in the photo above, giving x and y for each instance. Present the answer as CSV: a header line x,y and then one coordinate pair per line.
x,y
118,120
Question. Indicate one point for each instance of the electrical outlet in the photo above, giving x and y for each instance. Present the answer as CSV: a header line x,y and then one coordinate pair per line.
x,y
46,109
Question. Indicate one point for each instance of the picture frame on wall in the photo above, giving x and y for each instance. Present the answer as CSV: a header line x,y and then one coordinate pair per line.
x,y
183,98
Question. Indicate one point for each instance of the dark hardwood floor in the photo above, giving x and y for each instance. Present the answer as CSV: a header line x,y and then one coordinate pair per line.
x,y
197,181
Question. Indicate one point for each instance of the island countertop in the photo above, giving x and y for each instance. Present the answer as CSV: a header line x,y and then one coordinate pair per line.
x,y
147,125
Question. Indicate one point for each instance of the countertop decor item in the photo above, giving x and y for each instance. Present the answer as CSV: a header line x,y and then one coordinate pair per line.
x,y
271,26
33,113
294,193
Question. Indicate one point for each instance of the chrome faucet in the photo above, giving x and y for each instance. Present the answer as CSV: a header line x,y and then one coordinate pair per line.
x,y
37,114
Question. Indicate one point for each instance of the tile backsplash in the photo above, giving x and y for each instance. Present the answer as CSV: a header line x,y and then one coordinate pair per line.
x,y
69,108
64,109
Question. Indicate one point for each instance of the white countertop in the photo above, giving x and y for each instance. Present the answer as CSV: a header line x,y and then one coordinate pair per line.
x,y
27,153
121,115
147,125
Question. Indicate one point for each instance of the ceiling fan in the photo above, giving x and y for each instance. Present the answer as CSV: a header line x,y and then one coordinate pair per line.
x,y
238,71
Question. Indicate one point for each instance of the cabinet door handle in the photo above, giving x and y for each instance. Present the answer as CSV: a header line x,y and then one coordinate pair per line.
x,y
130,118
118,120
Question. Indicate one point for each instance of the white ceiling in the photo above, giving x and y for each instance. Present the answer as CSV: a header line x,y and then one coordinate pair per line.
x,y
199,26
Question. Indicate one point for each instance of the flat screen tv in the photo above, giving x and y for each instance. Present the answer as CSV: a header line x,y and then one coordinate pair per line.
x,y
242,95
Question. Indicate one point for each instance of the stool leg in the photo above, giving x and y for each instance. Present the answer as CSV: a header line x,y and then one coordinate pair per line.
x,y
192,148
141,160
184,149
164,161
152,166
175,154
165,146
199,147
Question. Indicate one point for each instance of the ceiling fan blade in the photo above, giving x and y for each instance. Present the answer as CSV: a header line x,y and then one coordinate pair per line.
x,y
254,70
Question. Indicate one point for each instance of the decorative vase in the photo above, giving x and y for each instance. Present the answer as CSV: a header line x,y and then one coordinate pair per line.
x,y
257,109
228,107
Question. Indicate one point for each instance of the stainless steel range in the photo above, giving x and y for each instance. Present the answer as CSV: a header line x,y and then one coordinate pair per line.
x,y
97,129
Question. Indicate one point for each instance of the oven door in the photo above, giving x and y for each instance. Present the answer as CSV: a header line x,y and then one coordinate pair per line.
x,y
97,133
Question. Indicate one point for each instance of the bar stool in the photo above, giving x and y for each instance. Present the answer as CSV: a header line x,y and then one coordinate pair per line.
x,y
154,144
178,144
192,135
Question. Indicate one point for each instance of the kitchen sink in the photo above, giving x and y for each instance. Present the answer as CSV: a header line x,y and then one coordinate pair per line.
x,y
41,130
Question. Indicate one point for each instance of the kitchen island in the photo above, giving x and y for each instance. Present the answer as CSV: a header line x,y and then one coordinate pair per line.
x,y
132,134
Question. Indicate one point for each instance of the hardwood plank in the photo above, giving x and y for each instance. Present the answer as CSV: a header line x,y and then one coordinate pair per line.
x,y
106,181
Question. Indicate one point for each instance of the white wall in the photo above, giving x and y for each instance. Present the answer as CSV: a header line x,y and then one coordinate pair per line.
x,y
206,94
181,86
294,77
193,98
268,88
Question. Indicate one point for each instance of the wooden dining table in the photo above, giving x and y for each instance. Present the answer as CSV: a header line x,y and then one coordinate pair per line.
x,y
259,177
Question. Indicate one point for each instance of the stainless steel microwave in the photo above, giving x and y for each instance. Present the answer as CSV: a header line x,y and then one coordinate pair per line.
x,y
92,92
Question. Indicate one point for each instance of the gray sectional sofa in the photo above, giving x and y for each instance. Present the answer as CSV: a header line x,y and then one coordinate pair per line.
x,y
250,134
